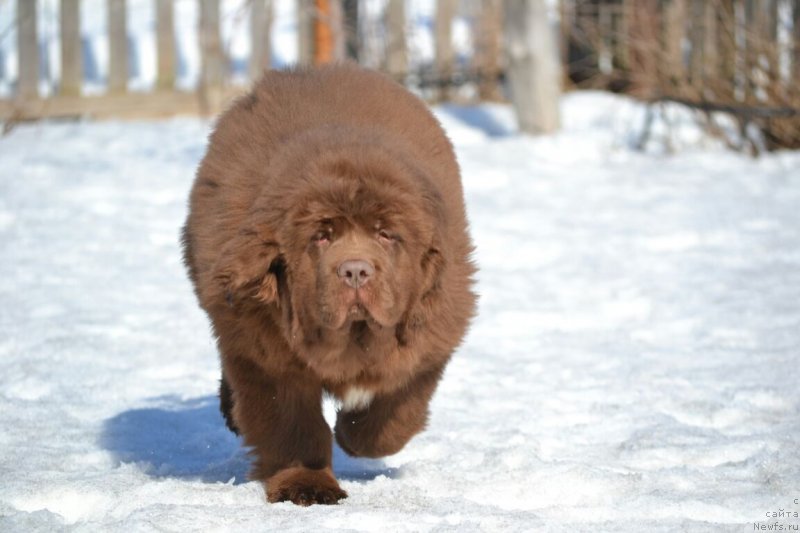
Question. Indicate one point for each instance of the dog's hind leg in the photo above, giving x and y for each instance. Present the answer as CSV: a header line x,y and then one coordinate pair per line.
x,y
226,404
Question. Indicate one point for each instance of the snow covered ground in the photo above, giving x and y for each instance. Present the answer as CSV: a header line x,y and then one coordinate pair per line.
x,y
635,364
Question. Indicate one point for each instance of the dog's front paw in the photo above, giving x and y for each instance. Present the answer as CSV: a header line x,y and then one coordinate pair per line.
x,y
304,486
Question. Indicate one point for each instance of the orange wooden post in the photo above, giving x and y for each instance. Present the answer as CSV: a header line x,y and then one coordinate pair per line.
x,y
328,31
323,38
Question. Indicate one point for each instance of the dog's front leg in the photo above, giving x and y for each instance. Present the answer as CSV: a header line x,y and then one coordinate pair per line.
x,y
280,417
389,421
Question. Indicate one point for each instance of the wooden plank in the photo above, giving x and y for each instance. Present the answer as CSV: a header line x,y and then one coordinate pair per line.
x,y
566,16
117,46
212,71
488,49
697,39
622,50
328,32
119,105
71,64
674,30
323,38
165,44
260,25
630,48
726,49
773,19
772,46
351,38
605,53
753,27
396,48
534,73
443,36
28,49
710,41
796,40
305,31
743,58
646,53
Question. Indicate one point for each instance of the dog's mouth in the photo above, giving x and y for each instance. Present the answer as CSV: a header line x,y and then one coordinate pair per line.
x,y
357,313
360,318
351,307
364,331
358,308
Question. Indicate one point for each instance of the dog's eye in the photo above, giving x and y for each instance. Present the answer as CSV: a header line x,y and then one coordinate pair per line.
x,y
386,237
322,237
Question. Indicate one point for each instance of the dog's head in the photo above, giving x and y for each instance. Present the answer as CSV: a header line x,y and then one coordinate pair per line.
x,y
347,246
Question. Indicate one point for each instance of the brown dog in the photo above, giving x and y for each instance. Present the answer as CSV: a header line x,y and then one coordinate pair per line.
x,y
327,241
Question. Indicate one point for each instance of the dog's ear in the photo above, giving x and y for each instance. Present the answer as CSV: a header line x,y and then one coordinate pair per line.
x,y
432,266
246,268
428,300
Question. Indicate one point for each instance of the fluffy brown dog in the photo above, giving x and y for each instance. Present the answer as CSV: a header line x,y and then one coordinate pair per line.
x,y
327,241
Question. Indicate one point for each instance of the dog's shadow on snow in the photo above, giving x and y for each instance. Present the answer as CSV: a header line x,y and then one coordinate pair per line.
x,y
188,439
478,117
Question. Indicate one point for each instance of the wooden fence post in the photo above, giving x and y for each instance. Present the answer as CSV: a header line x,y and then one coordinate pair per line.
x,y
767,45
605,54
742,82
646,52
396,52
487,49
71,66
674,30
260,25
305,32
697,33
445,56
28,49
726,49
710,29
796,41
117,46
212,70
534,72
165,44
323,33
328,31
622,51
566,12
350,37
750,30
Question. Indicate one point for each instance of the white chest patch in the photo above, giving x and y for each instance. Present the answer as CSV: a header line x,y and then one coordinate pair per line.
x,y
356,398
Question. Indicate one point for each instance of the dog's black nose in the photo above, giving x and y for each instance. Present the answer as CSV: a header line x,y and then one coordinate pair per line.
x,y
355,272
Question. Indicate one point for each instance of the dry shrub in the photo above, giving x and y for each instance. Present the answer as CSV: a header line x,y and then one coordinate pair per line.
x,y
734,56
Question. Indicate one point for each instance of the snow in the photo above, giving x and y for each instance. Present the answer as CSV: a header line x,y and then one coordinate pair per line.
x,y
634,363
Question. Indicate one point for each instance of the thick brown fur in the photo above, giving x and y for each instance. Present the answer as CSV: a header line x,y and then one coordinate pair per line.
x,y
315,169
